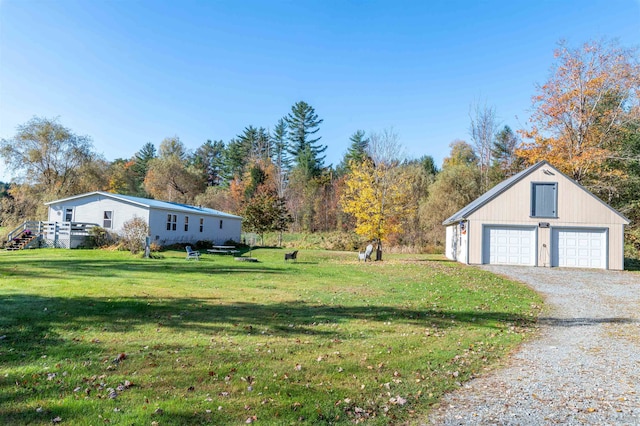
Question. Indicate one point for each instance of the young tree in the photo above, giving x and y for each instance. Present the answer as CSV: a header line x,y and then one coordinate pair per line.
x,y
265,212
375,191
579,112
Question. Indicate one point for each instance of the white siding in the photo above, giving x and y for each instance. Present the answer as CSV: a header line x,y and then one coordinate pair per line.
x,y
451,249
211,229
91,209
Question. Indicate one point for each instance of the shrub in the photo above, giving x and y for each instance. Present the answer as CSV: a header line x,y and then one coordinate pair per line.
x,y
134,233
203,245
100,237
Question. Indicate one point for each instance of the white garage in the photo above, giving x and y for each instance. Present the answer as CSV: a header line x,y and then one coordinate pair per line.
x,y
579,248
504,245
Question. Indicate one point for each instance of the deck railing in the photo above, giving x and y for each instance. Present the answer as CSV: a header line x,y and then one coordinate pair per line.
x,y
55,234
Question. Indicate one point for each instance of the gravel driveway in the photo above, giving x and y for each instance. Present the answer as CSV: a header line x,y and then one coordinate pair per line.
x,y
583,369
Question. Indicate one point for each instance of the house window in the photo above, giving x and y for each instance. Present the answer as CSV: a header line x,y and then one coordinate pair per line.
x,y
201,224
220,223
172,220
68,215
186,223
544,199
107,219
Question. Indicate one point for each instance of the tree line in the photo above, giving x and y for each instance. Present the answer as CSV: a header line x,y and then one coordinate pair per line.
x,y
585,121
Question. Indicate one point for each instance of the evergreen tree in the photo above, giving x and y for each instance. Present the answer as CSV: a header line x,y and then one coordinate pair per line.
x,y
279,157
142,158
140,166
235,158
505,162
210,158
303,124
356,153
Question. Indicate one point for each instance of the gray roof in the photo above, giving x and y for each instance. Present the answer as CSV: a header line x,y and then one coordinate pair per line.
x,y
155,204
464,213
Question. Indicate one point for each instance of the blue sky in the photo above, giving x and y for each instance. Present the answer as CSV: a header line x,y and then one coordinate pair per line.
x,y
130,72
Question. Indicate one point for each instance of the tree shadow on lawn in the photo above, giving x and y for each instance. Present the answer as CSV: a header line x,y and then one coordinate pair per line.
x,y
32,324
35,326
52,269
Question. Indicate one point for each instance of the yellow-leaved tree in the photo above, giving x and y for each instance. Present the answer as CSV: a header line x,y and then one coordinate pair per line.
x,y
375,192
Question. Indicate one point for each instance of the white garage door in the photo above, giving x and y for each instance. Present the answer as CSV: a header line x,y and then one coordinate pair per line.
x,y
579,248
509,245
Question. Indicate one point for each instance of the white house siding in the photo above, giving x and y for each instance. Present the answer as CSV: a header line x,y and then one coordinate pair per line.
x,y
211,229
91,209
456,242
451,249
576,208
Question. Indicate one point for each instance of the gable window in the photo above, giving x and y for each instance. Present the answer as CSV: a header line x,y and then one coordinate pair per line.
x,y
172,220
186,223
107,219
68,215
201,224
544,199
220,223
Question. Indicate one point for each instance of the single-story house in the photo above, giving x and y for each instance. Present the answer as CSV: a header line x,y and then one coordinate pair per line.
x,y
168,222
538,217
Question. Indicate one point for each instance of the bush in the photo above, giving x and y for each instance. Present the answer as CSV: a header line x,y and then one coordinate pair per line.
x,y
134,234
100,237
203,245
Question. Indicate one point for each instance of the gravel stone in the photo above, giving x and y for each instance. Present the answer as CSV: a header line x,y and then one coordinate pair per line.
x,y
582,369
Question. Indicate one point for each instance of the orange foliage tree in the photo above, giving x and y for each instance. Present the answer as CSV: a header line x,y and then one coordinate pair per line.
x,y
592,94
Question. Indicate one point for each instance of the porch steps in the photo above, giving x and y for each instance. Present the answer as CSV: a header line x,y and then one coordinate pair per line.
x,y
20,242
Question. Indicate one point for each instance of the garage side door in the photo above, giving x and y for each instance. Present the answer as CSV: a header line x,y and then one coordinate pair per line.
x,y
579,248
509,245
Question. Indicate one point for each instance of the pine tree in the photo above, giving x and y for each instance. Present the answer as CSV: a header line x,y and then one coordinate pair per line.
x,y
303,124
356,153
210,157
279,157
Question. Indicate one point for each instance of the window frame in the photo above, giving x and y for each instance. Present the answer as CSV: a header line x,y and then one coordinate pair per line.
x,y
220,223
202,224
105,219
172,221
186,224
533,201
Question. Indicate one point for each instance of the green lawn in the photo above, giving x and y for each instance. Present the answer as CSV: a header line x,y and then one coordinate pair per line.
x,y
99,337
